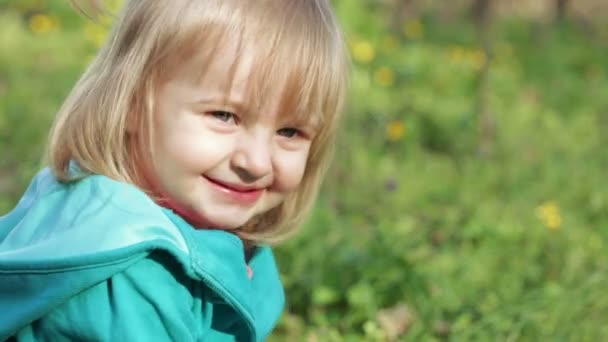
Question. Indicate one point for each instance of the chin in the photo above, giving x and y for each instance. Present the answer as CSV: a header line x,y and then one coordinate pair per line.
x,y
219,223
224,226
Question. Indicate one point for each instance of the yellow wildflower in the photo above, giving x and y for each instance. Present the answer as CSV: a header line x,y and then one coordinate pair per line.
x,y
363,51
390,43
95,33
549,214
395,130
456,53
413,29
384,76
477,58
42,23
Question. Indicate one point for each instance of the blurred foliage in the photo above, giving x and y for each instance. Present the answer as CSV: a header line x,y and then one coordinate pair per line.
x,y
418,234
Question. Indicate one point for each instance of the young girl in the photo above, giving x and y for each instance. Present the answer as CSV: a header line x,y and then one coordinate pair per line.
x,y
199,134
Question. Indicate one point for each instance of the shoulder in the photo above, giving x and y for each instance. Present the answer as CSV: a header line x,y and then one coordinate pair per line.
x,y
55,221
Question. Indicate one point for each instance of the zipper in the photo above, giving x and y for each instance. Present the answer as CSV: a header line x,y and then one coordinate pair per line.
x,y
252,263
206,278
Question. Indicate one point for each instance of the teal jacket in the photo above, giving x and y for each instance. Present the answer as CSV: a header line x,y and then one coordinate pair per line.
x,y
98,260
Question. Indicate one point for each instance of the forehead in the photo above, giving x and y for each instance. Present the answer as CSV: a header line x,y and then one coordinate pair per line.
x,y
223,66
238,75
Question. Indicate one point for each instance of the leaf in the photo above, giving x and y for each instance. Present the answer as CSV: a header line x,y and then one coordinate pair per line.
x,y
324,295
396,320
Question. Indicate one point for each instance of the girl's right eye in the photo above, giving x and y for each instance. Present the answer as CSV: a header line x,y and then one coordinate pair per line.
x,y
223,115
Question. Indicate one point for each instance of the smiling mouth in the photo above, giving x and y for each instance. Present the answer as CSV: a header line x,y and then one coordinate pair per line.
x,y
232,187
236,193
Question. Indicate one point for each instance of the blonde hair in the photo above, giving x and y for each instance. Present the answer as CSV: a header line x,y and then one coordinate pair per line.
x,y
298,47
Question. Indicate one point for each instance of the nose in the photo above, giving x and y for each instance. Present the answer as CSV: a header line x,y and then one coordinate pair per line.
x,y
252,157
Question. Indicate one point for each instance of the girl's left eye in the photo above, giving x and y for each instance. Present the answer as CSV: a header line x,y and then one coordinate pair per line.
x,y
289,132
223,115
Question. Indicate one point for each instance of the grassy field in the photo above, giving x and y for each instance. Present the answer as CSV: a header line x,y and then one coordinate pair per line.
x,y
468,199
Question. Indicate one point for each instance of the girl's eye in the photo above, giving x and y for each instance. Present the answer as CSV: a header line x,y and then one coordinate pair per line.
x,y
223,115
288,132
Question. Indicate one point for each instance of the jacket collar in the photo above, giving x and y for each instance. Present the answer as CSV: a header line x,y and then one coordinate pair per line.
x,y
218,260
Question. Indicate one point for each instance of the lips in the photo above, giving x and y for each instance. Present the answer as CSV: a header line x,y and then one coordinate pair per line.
x,y
232,186
236,192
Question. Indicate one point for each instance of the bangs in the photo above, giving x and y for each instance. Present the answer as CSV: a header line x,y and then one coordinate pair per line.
x,y
299,58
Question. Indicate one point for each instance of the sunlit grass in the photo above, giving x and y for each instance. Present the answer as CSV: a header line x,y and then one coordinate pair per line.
x,y
413,219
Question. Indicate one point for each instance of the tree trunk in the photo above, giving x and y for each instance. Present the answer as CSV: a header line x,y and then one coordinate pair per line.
x,y
486,123
561,7
480,10
402,9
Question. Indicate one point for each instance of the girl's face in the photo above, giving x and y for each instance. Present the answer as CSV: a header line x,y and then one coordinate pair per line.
x,y
218,161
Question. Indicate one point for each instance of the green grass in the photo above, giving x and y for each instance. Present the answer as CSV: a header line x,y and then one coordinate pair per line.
x,y
467,241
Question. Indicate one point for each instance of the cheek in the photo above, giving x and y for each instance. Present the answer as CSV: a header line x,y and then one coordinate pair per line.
x,y
197,148
290,171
